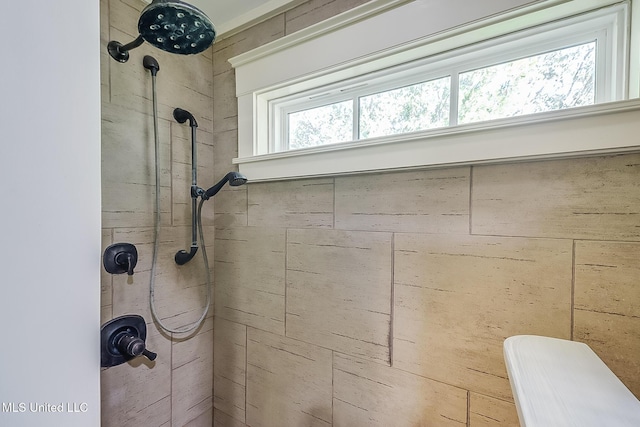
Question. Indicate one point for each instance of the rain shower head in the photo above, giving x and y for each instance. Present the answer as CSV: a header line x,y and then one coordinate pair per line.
x,y
171,25
235,179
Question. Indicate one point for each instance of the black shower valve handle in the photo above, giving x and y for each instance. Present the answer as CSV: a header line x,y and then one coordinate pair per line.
x,y
149,354
134,346
125,259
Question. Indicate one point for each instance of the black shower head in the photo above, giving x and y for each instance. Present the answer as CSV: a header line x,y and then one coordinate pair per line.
x,y
182,116
171,25
234,179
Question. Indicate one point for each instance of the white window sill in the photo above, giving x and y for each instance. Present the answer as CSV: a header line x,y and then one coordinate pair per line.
x,y
599,129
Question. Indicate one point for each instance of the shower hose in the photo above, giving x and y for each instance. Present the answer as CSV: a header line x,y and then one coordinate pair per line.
x,y
192,326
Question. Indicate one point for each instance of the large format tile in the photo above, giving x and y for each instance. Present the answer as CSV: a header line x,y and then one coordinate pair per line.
x,y
249,277
339,290
229,368
230,207
128,169
288,382
434,201
607,314
485,411
301,203
220,419
192,375
591,198
458,297
369,394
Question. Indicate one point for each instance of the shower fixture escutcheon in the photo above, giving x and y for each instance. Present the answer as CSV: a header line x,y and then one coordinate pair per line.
x,y
170,25
120,258
123,339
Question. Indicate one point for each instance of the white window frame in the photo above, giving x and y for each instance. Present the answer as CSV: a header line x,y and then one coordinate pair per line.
x,y
264,103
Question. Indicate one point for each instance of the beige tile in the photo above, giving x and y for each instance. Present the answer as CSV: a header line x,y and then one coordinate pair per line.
x,y
124,16
220,419
607,316
288,382
192,377
339,291
485,411
230,360
458,297
590,198
616,340
225,148
435,201
369,394
193,347
607,277
225,103
230,207
128,170
192,389
139,392
300,203
204,420
249,277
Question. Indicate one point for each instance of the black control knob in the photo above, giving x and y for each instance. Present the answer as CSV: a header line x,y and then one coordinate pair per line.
x,y
133,346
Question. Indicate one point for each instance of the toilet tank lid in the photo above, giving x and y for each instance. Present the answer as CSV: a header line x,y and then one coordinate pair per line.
x,y
557,382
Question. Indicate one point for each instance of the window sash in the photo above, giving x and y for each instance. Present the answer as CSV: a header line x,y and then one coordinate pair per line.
x,y
600,26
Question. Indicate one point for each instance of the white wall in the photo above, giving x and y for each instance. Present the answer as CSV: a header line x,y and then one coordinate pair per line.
x,y
50,216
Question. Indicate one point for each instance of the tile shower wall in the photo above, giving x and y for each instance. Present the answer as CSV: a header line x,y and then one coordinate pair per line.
x,y
384,299
176,389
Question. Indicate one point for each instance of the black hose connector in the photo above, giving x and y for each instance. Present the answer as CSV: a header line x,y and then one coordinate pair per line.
x,y
150,63
182,257
182,116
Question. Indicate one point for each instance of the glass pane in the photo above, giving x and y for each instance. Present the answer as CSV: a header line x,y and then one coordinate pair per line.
x,y
556,80
322,125
407,109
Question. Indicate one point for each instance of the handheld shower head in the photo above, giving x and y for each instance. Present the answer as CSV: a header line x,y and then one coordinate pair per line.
x,y
170,25
235,179
182,116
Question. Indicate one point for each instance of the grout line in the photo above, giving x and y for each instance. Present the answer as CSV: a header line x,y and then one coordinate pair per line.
x,y
333,388
470,199
172,372
573,288
468,408
393,298
286,244
246,366
247,204
334,202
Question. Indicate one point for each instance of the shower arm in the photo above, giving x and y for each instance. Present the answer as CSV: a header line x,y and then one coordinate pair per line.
x,y
120,52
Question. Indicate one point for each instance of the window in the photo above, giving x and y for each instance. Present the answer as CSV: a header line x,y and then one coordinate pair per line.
x,y
547,68
390,107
